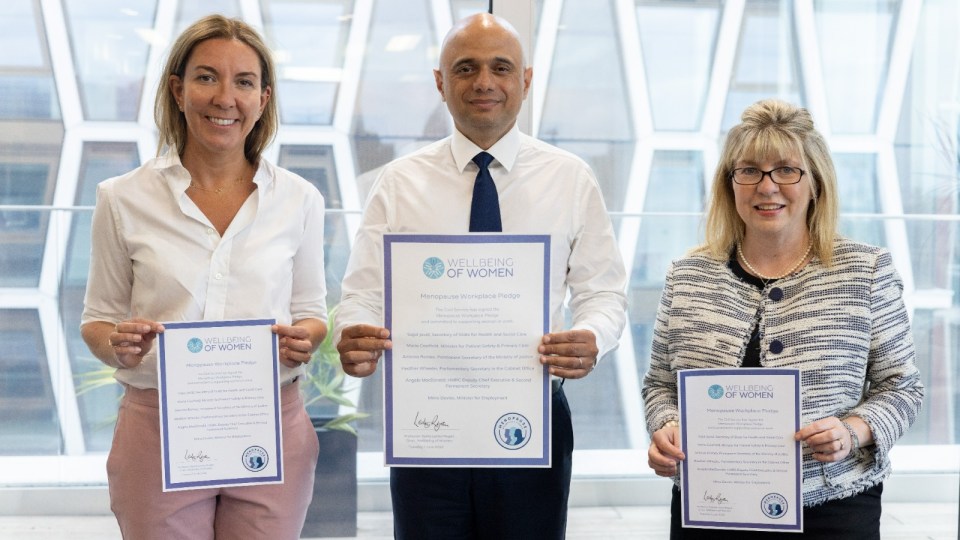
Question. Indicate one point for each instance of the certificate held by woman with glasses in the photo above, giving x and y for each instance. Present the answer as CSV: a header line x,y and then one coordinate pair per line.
x,y
742,466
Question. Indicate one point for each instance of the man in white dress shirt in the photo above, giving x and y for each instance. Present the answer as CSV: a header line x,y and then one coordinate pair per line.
x,y
541,190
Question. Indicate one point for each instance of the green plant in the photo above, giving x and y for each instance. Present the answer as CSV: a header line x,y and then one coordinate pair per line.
x,y
96,388
100,376
324,383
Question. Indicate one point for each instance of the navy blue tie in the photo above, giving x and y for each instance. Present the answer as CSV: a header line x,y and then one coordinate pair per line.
x,y
485,209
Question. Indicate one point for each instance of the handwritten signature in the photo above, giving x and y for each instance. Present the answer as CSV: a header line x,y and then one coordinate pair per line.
x,y
197,456
434,423
718,498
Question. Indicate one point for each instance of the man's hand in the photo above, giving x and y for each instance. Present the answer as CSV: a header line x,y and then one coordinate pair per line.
x,y
360,348
571,354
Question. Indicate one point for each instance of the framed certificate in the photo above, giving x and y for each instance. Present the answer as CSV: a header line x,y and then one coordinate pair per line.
x,y
219,391
463,384
743,467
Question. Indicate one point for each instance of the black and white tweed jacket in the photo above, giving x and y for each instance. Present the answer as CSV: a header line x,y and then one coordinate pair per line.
x,y
845,327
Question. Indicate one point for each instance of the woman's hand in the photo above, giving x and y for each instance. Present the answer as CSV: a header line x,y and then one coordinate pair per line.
x,y
133,339
299,340
829,439
664,454
121,345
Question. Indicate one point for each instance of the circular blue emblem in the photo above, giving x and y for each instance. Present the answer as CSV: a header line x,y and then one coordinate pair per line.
x,y
512,431
195,345
773,505
715,391
433,268
255,458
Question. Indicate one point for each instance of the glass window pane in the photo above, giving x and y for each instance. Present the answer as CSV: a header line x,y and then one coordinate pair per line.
x,y
190,12
766,64
928,152
28,97
398,108
610,161
397,96
937,340
309,40
110,40
29,158
316,164
20,31
857,188
676,185
855,38
370,429
97,392
26,82
101,160
463,8
28,412
593,107
596,409
678,38
590,116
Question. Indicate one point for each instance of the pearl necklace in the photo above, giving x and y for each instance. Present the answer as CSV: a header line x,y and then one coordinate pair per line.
x,y
218,190
767,278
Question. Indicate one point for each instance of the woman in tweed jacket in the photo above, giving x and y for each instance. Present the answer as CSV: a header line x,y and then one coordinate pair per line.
x,y
775,286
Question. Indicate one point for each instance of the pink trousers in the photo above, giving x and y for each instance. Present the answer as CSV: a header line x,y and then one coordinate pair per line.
x,y
145,512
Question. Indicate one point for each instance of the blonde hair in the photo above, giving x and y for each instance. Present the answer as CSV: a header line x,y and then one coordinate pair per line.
x,y
769,129
166,113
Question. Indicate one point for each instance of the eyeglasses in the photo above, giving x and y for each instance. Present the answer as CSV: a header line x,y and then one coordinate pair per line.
x,y
748,176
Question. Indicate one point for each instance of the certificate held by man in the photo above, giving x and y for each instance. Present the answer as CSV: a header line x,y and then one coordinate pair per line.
x,y
743,467
219,404
463,385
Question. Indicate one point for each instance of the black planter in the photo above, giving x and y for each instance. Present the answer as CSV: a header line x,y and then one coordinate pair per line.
x,y
333,511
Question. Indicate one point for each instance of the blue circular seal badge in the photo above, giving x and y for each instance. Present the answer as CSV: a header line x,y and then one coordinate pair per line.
x,y
512,431
773,505
715,391
433,268
195,345
255,458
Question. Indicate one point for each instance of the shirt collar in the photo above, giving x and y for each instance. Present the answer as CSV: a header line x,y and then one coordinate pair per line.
x,y
503,151
170,167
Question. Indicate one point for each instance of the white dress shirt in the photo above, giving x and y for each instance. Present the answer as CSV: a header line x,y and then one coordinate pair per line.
x,y
155,255
542,190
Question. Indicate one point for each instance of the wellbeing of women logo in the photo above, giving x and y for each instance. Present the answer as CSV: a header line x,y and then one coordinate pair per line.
x,y
433,268
469,267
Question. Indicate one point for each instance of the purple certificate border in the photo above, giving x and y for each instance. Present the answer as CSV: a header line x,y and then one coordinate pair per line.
x,y
388,241
682,377
162,375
